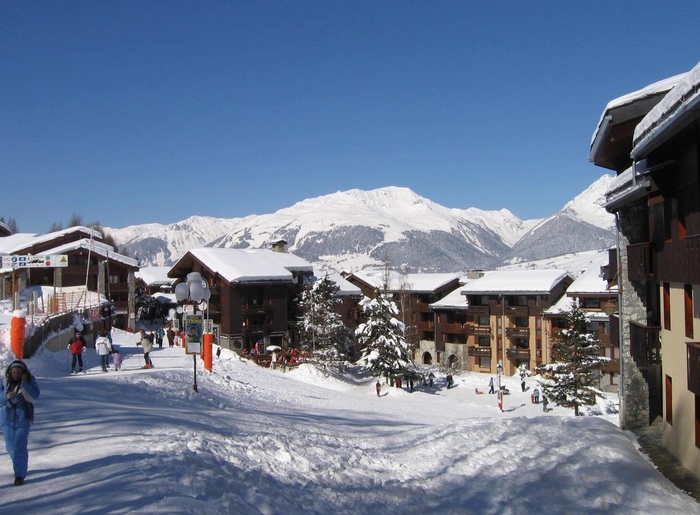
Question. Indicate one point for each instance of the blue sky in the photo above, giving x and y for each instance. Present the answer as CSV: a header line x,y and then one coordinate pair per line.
x,y
131,112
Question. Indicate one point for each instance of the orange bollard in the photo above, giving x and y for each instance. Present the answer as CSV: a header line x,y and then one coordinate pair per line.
x,y
17,326
207,350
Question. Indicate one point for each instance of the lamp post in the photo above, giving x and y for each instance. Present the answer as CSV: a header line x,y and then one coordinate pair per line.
x,y
195,292
499,369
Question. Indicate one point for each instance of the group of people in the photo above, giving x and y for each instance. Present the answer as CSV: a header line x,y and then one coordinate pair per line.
x,y
103,347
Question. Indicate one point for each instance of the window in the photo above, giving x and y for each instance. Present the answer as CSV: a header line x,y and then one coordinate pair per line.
x,y
669,400
521,322
484,300
484,362
522,300
667,306
114,279
688,309
484,321
484,341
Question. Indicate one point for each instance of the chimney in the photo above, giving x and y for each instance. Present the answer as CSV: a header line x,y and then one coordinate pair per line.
x,y
475,274
279,246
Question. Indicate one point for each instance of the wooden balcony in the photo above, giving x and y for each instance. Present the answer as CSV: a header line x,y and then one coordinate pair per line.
x,y
644,345
516,311
426,326
456,328
517,332
424,307
693,364
477,310
480,330
254,309
516,353
639,261
482,352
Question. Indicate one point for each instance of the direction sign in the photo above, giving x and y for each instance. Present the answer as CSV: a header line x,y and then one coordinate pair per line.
x,y
49,261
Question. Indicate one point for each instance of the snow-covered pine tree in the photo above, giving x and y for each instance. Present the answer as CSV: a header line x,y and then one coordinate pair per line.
x,y
321,327
571,377
385,351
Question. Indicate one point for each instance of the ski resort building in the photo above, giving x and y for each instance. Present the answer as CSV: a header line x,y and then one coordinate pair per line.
x,y
651,138
254,293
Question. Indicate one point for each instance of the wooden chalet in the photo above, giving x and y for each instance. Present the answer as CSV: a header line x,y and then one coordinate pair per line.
x,y
254,293
598,299
91,264
413,294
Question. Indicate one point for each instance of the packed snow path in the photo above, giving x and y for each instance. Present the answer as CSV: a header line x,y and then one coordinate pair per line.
x,y
258,441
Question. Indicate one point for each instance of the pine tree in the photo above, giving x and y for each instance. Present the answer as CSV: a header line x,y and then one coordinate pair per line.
x,y
571,377
385,350
321,327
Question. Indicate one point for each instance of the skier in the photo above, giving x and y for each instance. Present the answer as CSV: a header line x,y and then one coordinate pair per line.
x,y
431,378
19,389
147,344
491,389
545,402
378,386
218,352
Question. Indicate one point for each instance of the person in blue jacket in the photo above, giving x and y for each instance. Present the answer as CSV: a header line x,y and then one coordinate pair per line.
x,y
19,390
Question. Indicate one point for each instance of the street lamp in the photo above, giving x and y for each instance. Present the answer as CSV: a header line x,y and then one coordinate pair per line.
x,y
195,292
499,369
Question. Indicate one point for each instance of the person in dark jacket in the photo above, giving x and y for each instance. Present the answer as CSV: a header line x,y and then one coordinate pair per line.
x,y
76,346
19,390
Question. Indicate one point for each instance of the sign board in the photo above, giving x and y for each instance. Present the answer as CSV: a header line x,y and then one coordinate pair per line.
x,y
56,260
193,334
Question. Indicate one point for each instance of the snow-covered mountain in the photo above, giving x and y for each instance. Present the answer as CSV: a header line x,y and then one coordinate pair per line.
x,y
356,229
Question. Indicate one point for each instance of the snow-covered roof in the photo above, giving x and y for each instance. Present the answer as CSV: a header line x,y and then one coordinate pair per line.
x,y
99,248
590,282
453,300
682,99
651,90
251,265
347,289
418,283
515,282
17,242
155,275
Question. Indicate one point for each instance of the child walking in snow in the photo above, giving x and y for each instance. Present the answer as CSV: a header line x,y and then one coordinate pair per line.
x,y
117,359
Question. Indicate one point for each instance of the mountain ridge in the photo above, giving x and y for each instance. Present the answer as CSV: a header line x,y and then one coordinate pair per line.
x,y
356,229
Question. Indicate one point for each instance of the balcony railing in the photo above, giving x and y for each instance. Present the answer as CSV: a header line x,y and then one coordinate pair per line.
x,y
424,307
644,345
516,353
477,310
455,328
518,332
483,352
426,326
480,330
516,311
679,261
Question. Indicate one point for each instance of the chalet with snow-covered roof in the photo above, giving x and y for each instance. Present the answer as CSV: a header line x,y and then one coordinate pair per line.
x,y
254,293
656,201
500,320
92,264
413,294
597,297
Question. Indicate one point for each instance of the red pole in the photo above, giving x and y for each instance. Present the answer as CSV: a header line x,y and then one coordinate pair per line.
x,y
17,326
207,350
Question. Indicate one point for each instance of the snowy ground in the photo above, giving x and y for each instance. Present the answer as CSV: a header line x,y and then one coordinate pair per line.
x,y
257,441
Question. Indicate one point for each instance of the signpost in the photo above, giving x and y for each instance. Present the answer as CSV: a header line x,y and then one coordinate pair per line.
x,y
51,261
